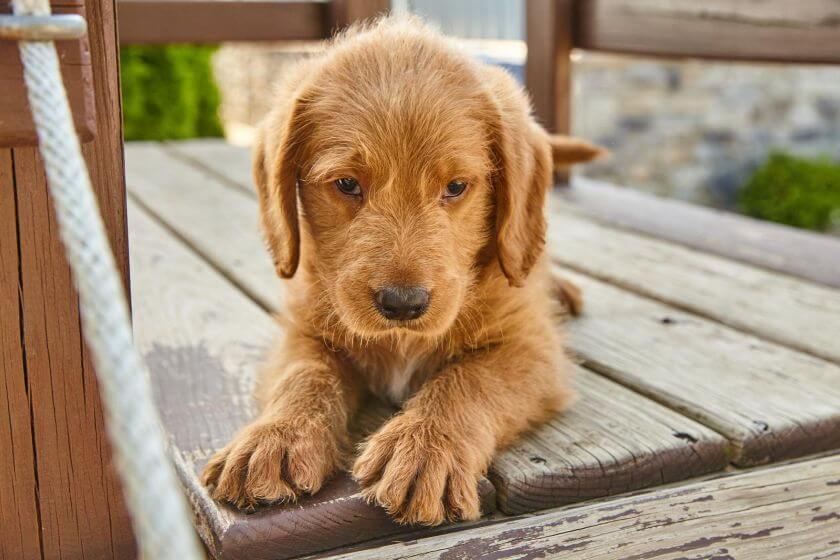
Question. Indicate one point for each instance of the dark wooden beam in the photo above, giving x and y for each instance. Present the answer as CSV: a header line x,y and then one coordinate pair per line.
x,y
214,21
768,31
345,12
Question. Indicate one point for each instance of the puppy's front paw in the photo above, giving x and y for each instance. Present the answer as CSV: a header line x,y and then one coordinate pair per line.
x,y
418,474
273,461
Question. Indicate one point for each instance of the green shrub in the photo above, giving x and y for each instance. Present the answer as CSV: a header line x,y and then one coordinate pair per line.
x,y
169,92
796,191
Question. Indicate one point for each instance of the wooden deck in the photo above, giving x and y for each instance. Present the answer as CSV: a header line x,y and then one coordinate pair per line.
x,y
697,372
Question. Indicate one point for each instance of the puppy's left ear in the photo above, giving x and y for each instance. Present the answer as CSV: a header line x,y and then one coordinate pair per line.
x,y
522,176
525,158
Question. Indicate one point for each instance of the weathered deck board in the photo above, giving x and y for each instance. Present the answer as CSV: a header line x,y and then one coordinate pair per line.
x,y
229,163
779,513
201,338
586,453
581,455
776,307
769,401
797,252
182,194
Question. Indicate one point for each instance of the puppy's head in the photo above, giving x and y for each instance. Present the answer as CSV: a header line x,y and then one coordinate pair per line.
x,y
410,169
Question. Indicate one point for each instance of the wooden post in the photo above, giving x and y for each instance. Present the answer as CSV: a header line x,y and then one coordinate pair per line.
x,y
345,12
59,497
548,68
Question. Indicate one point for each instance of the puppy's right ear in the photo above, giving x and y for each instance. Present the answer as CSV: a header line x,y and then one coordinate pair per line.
x,y
275,169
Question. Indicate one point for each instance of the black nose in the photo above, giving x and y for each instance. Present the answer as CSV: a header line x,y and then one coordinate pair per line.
x,y
401,303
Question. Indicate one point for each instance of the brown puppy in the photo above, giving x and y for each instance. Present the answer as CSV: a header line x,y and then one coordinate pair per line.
x,y
402,187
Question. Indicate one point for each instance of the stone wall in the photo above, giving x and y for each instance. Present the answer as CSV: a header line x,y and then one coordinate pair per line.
x,y
686,129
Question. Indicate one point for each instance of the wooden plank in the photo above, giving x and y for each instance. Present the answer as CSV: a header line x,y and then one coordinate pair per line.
x,y
173,190
769,401
78,497
104,159
228,164
779,513
796,252
215,21
16,126
779,308
584,454
19,516
576,457
74,490
770,30
202,339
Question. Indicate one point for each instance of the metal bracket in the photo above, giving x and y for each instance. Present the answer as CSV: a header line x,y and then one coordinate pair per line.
x,y
42,28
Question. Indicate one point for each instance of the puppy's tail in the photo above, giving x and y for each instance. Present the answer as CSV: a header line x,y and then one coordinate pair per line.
x,y
568,294
566,151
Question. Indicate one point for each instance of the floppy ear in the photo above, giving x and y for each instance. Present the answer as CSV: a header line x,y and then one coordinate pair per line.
x,y
520,181
566,151
275,169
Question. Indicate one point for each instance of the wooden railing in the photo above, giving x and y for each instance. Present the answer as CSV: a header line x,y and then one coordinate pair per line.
x,y
807,31
214,21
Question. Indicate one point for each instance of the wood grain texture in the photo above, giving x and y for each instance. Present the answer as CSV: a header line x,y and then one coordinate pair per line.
x,y
796,252
19,516
609,442
230,165
769,401
759,30
204,211
78,498
779,513
575,457
202,339
779,308
16,126
214,21
74,491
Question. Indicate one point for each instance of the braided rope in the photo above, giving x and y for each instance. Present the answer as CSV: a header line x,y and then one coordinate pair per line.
x,y
161,519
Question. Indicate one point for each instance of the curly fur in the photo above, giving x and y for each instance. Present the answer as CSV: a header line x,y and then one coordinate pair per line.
x,y
399,108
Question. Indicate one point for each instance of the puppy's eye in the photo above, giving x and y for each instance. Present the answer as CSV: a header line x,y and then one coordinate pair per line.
x,y
349,186
455,189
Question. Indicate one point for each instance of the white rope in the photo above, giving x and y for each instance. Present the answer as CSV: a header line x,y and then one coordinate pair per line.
x,y
154,497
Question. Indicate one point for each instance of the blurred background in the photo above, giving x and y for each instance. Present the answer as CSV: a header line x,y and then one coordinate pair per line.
x,y
758,139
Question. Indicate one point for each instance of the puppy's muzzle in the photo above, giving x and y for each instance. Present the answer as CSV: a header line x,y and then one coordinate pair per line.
x,y
401,303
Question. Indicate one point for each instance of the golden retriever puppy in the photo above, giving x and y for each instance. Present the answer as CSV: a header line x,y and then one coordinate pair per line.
x,y
401,186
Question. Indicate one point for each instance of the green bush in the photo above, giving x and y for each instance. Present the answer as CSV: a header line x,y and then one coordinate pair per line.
x,y
169,92
796,191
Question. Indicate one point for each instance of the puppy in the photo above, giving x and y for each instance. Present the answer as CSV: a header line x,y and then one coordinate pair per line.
x,y
401,187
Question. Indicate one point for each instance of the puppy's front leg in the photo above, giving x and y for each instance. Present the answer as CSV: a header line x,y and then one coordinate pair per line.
x,y
300,437
423,466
